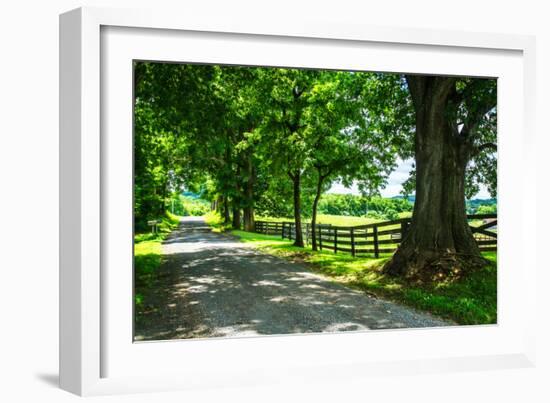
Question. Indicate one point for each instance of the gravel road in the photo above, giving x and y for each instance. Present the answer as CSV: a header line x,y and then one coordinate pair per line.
x,y
212,285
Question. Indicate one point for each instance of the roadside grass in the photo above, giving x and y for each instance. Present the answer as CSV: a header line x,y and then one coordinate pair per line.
x,y
148,253
468,301
215,220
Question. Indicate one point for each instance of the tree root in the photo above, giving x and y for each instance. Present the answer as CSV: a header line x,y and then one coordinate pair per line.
x,y
433,266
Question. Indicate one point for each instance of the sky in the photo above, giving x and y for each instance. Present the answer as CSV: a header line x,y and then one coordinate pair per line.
x,y
393,188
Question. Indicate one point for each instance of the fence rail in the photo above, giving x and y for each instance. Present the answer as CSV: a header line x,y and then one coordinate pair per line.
x,y
373,239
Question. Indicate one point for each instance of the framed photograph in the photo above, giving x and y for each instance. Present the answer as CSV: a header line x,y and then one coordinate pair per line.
x,y
246,201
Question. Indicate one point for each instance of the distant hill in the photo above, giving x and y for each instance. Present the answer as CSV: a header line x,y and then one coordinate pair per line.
x,y
410,198
191,195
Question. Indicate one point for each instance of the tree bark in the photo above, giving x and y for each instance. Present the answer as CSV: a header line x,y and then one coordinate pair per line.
x,y
162,204
439,241
248,209
226,214
236,215
219,204
320,180
299,239
248,218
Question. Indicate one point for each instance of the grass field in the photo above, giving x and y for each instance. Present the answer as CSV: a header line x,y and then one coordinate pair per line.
x,y
467,301
339,220
148,253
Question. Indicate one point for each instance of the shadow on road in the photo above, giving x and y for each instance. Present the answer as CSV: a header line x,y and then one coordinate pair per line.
x,y
211,285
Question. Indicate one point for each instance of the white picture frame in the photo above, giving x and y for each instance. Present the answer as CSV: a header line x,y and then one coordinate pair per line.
x,y
88,335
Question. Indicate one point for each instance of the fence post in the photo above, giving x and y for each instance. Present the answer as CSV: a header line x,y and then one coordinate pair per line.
x,y
335,240
352,235
283,231
375,238
307,234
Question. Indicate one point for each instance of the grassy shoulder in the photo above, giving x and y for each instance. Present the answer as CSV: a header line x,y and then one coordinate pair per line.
x,y
215,220
148,253
467,301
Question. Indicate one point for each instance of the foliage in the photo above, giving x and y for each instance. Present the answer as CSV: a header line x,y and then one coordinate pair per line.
x,y
244,135
188,205
215,220
487,209
482,206
271,141
164,132
375,207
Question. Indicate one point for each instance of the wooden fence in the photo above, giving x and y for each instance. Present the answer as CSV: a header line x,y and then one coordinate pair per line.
x,y
374,239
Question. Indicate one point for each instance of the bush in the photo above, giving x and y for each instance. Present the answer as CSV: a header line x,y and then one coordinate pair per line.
x,y
487,209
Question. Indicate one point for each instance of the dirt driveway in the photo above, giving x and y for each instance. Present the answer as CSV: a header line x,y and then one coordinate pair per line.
x,y
212,285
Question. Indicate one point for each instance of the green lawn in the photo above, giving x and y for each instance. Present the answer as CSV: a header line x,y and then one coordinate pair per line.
x,y
466,301
148,253
215,220
340,220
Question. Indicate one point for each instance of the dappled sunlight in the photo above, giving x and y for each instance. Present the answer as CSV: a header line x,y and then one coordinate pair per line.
x,y
214,286
266,283
193,245
342,327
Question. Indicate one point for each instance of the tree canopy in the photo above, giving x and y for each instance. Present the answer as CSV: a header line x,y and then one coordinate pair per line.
x,y
254,137
273,140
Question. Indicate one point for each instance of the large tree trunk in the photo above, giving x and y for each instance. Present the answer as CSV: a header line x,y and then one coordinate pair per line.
x,y
299,239
236,215
248,218
314,212
162,203
226,213
248,209
219,204
439,241
236,201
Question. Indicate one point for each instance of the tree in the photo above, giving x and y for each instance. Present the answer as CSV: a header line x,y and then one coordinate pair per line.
x,y
245,109
455,120
350,143
161,148
287,146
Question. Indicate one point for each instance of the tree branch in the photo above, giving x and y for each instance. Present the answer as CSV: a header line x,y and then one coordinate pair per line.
x,y
476,111
485,146
444,86
297,93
